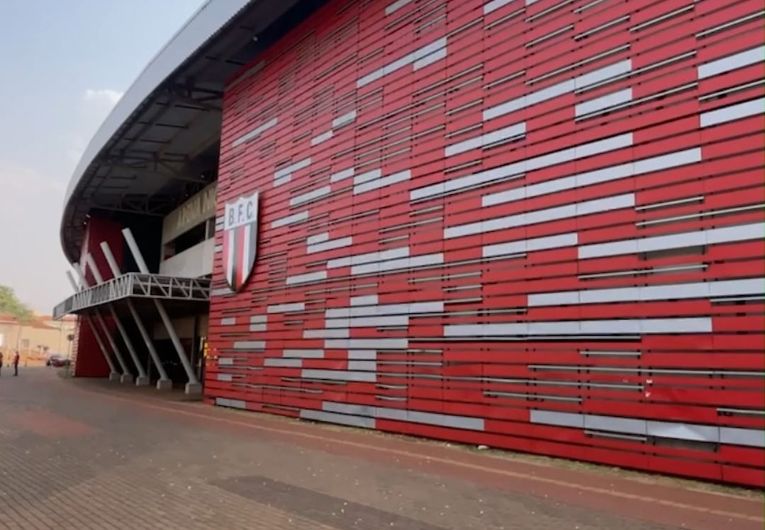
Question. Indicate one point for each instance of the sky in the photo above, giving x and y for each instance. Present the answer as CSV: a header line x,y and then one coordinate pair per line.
x,y
63,66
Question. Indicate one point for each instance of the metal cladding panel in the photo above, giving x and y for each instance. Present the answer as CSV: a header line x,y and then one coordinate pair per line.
x,y
531,225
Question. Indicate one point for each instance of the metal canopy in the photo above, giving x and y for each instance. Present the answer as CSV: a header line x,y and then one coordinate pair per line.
x,y
160,143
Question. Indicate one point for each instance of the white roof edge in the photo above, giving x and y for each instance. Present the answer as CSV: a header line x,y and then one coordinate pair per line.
x,y
210,18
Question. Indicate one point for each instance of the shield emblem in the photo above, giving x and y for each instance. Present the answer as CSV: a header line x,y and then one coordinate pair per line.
x,y
240,240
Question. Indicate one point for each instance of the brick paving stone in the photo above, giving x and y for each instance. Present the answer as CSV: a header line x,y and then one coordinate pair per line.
x,y
86,455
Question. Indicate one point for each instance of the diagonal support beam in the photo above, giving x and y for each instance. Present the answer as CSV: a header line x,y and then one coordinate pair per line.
x,y
113,374
142,379
126,375
193,387
164,382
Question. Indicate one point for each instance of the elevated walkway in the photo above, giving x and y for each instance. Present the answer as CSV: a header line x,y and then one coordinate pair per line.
x,y
136,285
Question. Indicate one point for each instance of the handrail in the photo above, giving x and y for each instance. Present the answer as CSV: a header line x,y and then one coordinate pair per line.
x,y
136,285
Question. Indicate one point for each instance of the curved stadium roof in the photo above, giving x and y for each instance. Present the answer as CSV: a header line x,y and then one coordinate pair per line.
x,y
160,142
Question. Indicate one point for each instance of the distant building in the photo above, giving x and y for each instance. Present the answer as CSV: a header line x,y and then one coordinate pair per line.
x,y
37,338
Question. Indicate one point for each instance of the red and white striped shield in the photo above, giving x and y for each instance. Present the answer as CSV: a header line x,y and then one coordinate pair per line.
x,y
240,240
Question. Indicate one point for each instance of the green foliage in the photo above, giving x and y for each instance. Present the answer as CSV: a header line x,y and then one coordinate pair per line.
x,y
11,305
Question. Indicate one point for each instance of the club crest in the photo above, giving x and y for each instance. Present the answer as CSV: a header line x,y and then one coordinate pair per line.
x,y
240,240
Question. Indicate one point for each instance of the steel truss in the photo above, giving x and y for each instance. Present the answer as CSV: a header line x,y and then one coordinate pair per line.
x,y
136,285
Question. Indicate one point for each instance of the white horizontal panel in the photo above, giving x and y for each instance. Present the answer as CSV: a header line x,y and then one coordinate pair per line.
x,y
364,366
539,216
283,363
367,176
615,424
583,327
370,299
710,236
412,308
309,196
373,184
303,353
340,322
732,62
558,89
257,131
489,138
662,429
753,107
317,238
374,321
369,344
530,245
395,6
339,333
557,157
740,436
430,48
349,408
285,308
430,59
233,403
306,278
330,245
321,138
369,355
493,5
290,219
750,286
345,119
249,345
370,257
402,263
683,431
432,418
562,419
338,375
607,174
401,62
603,74
415,416
603,102
287,170
340,419
666,161
528,100
342,175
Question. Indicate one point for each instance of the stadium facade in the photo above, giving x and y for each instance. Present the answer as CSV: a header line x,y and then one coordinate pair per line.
x,y
531,225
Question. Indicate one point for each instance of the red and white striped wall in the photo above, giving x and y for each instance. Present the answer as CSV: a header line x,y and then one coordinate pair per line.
x,y
534,225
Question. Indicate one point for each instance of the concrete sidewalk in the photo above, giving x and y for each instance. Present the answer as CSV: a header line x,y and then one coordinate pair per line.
x,y
84,454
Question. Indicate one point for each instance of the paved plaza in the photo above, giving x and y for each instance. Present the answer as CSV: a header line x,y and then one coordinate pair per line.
x,y
86,454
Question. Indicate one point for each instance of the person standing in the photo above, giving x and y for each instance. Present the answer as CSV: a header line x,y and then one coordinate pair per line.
x,y
1,363
16,363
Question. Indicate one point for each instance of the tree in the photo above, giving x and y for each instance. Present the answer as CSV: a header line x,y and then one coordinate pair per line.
x,y
11,305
